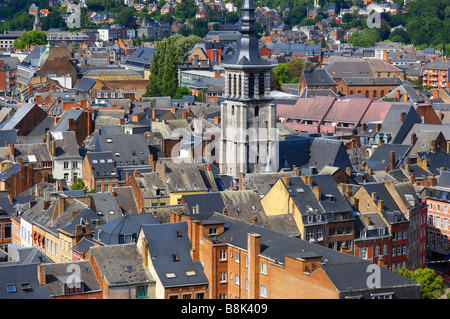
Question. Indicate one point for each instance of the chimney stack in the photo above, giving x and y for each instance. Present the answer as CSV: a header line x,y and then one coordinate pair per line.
x,y
317,192
41,274
392,157
413,139
286,180
380,205
225,211
403,114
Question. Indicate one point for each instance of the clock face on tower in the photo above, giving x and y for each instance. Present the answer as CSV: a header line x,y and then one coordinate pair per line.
x,y
249,142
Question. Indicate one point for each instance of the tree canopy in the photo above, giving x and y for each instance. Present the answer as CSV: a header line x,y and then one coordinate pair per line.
x,y
431,285
31,38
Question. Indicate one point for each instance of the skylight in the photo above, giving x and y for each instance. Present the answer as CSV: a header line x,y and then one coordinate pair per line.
x,y
191,273
129,268
11,288
171,275
25,286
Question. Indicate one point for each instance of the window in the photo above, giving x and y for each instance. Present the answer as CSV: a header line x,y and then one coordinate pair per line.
x,y
223,276
223,254
11,288
75,164
263,268
142,291
212,231
66,164
263,291
363,253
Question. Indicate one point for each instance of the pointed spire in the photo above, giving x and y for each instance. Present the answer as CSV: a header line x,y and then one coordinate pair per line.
x,y
37,21
247,47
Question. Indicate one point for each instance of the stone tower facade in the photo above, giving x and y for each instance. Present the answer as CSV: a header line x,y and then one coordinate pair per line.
x,y
249,142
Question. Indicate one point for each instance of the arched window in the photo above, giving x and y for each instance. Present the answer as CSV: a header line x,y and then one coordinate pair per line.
x,y
367,93
251,85
374,96
261,84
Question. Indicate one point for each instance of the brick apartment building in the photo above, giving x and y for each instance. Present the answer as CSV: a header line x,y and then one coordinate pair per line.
x,y
247,261
435,74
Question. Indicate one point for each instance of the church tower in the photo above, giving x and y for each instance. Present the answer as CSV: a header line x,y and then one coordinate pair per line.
x,y
249,142
37,21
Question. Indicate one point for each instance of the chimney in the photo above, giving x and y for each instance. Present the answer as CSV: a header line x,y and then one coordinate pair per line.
x,y
398,95
255,220
41,274
403,114
53,148
363,127
380,205
241,178
374,195
381,261
286,180
377,127
184,115
407,168
153,114
392,158
435,94
432,180
137,174
317,192
367,220
413,178
433,147
298,171
127,176
413,139
225,211
348,171
216,120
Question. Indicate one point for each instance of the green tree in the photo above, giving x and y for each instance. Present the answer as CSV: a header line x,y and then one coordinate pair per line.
x,y
170,76
182,91
156,73
31,38
79,184
281,73
126,18
184,44
431,285
365,38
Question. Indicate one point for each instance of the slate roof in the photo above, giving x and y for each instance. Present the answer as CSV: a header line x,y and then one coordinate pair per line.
x,y
114,232
11,123
32,153
381,156
316,77
335,154
66,145
207,202
392,124
435,160
112,261
331,198
57,275
347,69
131,148
141,58
165,241
18,274
102,164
